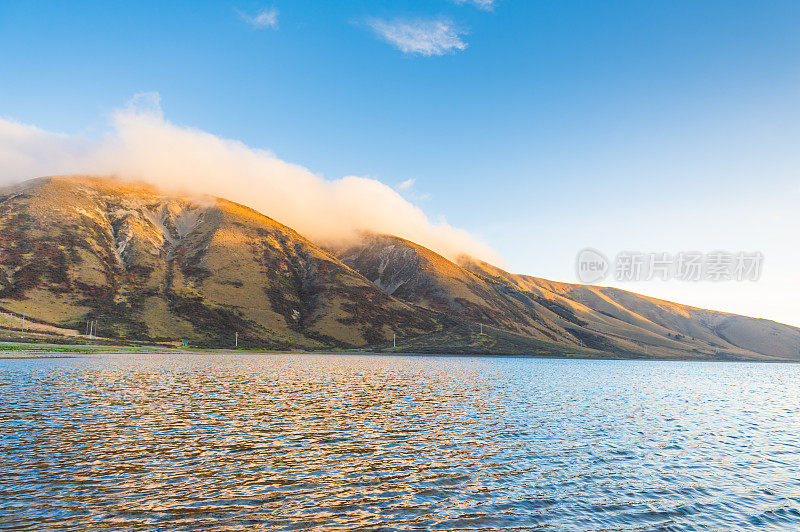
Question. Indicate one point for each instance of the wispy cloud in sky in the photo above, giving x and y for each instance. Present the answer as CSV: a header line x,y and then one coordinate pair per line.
x,y
488,5
265,18
420,36
407,184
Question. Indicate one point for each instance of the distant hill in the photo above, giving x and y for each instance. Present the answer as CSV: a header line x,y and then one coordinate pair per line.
x,y
578,318
157,267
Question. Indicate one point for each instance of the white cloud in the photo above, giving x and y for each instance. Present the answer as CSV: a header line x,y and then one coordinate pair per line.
x,y
25,151
407,184
420,36
265,18
142,145
488,5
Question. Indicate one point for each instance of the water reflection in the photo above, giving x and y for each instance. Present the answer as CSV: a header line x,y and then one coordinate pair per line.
x,y
340,442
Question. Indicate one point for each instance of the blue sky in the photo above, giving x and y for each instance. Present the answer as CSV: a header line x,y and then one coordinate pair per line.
x,y
541,127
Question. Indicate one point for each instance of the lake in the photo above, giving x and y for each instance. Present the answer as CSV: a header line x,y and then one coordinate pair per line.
x,y
292,442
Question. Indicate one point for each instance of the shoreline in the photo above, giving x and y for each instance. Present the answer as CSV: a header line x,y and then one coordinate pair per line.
x,y
27,351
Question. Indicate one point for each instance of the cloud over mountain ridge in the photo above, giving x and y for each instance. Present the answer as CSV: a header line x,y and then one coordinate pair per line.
x,y
142,145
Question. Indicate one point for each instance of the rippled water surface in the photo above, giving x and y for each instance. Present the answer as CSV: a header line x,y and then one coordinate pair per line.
x,y
288,442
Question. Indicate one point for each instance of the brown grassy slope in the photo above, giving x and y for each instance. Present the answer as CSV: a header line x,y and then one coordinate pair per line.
x,y
569,318
656,322
420,276
153,266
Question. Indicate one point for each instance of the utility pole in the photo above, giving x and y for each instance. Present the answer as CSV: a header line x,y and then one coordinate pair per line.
x,y
394,339
237,340
481,324
10,322
22,331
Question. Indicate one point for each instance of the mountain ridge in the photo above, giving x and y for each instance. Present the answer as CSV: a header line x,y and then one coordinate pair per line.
x,y
160,266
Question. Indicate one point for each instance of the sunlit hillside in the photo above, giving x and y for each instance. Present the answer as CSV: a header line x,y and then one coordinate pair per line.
x,y
153,267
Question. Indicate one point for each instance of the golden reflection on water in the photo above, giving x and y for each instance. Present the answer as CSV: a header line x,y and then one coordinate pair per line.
x,y
340,442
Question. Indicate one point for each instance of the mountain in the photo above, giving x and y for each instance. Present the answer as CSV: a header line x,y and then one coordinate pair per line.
x,y
668,327
152,266
533,312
